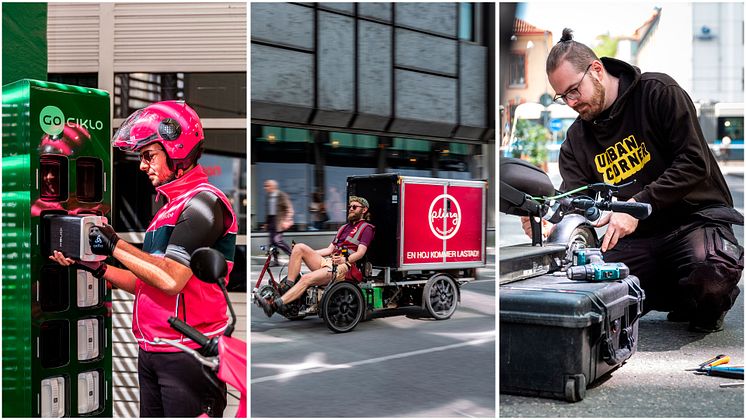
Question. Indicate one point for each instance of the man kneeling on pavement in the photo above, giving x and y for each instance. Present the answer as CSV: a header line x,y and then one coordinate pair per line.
x,y
355,236
643,128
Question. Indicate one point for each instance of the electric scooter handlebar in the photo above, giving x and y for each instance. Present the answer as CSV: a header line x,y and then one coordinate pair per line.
x,y
637,210
188,331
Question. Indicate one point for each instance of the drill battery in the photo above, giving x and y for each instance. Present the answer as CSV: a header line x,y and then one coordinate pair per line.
x,y
583,256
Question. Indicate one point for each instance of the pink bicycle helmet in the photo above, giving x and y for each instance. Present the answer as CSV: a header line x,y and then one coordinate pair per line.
x,y
173,124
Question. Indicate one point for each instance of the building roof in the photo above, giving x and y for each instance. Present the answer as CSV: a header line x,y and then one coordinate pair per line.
x,y
521,27
644,29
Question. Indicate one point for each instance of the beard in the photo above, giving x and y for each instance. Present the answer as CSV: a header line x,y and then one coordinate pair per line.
x,y
158,182
588,111
354,217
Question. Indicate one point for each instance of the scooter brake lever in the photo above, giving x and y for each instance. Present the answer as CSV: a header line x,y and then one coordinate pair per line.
x,y
602,187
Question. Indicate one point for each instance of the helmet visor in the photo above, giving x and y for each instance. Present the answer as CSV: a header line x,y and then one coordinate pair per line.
x,y
137,131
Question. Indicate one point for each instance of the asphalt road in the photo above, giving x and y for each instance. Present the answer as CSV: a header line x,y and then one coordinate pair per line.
x,y
394,366
653,382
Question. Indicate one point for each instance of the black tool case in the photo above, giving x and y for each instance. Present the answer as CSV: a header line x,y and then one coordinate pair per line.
x,y
557,336
519,262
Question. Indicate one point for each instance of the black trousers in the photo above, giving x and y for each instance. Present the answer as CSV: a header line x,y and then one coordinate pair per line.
x,y
174,385
275,237
694,267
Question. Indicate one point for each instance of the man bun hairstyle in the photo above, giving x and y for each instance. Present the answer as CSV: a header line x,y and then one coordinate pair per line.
x,y
566,35
579,55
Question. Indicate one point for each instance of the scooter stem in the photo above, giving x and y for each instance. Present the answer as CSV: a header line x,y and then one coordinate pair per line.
x,y
211,362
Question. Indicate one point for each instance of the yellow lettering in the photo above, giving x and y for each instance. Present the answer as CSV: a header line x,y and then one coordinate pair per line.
x,y
631,143
611,153
620,161
621,151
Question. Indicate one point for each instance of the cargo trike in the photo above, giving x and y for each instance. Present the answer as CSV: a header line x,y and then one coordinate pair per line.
x,y
429,241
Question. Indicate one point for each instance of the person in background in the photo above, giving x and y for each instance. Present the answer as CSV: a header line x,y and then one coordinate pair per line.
x,y
318,211
279,211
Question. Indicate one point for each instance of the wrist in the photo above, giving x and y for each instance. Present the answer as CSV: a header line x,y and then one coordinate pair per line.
x,y
100,271
114,242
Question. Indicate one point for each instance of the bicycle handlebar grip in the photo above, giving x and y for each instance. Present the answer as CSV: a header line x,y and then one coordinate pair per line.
x,y
582,203
637,210
188,331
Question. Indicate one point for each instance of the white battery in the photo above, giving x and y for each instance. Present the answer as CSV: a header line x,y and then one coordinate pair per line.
x,y
87,290
88,392
88,339
53,397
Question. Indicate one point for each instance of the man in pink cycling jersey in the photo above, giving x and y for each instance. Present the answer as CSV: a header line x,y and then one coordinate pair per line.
x,y
169,139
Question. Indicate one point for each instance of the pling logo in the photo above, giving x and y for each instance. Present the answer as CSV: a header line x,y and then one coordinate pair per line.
x,y
52,120
444,223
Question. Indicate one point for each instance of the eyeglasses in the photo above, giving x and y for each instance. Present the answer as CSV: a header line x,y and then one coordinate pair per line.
x,y
354,207
149,155
574,93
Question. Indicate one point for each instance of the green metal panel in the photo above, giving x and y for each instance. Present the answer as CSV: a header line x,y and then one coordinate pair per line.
x,y
68,125
24,41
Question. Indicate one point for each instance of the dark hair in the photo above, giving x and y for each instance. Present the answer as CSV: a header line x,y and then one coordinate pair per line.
x,y
579,55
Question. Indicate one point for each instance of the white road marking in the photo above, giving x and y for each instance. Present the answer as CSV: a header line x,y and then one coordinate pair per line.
x,y
327,368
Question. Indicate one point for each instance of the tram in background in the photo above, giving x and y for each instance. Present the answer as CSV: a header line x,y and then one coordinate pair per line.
x,y
728,141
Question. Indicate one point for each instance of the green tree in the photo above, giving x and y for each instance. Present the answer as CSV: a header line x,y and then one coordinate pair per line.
x,y
531,140
606,46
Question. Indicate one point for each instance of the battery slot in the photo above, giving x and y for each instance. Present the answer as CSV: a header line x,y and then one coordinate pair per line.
x,y
54,343
88,289
89,172
89,339
53,182
89,391
54,286
53,397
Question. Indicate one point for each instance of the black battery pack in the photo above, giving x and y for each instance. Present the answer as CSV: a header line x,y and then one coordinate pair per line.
x,y
69,235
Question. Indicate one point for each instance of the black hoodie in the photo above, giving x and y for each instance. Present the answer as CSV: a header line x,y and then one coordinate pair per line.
x,y
649,135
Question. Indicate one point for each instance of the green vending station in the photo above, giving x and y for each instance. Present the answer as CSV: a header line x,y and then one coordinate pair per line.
x,y
57,326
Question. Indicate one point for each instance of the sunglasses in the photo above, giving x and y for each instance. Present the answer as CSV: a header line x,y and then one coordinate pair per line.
x,y
149,155
354,207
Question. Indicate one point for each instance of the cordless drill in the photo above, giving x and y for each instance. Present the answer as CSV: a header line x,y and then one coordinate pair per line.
x,y
599,271
583,256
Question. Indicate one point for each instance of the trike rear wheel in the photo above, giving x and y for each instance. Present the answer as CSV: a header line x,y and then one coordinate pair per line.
x,y
440,296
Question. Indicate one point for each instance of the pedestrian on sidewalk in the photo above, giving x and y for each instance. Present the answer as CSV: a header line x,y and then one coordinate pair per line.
x,y
279,211
318,211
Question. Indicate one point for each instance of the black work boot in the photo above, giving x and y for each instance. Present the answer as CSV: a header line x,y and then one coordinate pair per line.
x,y
707,323
266,305
678,315
279,306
